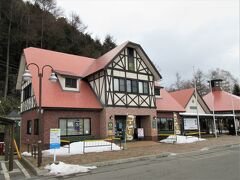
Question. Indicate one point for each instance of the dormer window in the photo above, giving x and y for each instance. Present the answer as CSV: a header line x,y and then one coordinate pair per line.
x,y
71,82
131,64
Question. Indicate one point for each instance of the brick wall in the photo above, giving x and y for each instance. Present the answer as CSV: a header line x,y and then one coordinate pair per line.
x,y
51,120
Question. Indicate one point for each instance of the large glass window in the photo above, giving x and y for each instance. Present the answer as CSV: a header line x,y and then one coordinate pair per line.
x,y
140,87
121,85
129,86
116,84
145,88
130,59
71,83
165,124
134,86
75,126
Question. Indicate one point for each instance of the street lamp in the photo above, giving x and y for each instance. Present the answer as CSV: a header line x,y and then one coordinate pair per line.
x,y
53,78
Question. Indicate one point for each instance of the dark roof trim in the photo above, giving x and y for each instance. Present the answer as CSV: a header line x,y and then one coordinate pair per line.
x,y
137,45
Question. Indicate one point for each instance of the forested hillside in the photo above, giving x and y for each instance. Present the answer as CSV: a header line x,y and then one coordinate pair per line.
x,y
39,23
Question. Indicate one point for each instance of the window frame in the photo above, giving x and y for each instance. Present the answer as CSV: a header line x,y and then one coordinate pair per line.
x,y
71,83
157,91
131,61
167,123
79,119
29,127
27,92
36,127
120,90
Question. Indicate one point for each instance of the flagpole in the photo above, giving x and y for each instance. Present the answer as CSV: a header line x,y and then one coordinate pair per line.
x,y
198,120
214,121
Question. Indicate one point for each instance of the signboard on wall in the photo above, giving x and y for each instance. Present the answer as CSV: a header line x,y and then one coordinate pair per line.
x,y
130,127
190,124
55,138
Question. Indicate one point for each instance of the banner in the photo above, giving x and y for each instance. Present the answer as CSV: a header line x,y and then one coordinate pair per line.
x,y
130,127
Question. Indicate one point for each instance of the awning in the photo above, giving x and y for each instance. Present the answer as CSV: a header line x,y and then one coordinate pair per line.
x,y
208,115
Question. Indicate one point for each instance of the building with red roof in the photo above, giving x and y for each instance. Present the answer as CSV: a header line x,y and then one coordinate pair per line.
x,y
168,110
92,98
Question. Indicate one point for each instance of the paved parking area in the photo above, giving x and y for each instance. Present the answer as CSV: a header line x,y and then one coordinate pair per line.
x,y
140,148
18,172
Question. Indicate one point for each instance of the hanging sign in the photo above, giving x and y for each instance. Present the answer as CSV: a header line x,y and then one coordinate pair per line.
x,y
55,138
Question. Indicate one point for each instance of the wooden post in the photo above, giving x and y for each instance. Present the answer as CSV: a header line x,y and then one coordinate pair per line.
x,y
6,142
10,165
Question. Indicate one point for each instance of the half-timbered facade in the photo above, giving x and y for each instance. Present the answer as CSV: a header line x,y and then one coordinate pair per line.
x,y
125,82
93,97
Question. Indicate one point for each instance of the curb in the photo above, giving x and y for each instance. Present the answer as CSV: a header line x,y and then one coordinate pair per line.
x,y
126,160
35,170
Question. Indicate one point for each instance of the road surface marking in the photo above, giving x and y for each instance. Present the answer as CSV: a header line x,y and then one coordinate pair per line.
x,y
5,171
13,171
26,174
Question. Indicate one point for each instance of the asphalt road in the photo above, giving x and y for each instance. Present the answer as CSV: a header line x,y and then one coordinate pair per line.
x,y
220,164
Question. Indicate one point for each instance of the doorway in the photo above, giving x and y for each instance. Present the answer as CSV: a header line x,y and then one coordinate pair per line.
x,y
120,126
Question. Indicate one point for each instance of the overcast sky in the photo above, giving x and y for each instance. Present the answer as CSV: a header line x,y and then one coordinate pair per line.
x,y
176,34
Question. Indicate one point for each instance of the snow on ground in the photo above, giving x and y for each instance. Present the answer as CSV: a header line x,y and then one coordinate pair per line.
x,y
77,148
26,153
62,169
181,139
204,149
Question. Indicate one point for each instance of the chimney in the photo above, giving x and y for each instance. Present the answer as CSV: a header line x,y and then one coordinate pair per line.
x,y
216,84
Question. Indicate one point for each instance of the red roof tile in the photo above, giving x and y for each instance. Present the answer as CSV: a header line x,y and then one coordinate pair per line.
x,y
223,101
103,60
53,95
168,103
183,96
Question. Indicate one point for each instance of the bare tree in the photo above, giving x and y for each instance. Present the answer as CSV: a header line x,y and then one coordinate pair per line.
x,y
46,6
8,49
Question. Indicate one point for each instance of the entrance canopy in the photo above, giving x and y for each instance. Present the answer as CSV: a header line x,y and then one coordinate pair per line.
x,y
6,121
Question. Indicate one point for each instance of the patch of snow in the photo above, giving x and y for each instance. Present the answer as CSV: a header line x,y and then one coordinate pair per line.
x,y
204,149
25,153
181,139
77,148
173,154
62,169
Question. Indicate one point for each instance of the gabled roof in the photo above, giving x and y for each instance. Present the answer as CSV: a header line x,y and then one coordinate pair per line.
x,y
52,94
223,101
182,96
104,60
71,65
167,103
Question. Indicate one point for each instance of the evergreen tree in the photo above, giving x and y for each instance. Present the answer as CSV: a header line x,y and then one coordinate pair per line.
x,y
236,90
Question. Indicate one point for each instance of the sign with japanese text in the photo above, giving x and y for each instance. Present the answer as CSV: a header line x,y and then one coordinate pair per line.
x,y
55,138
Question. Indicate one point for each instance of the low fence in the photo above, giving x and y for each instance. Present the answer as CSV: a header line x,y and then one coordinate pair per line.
x,y
108,142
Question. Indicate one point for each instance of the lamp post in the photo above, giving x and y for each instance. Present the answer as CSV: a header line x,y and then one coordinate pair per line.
x,y
53,78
